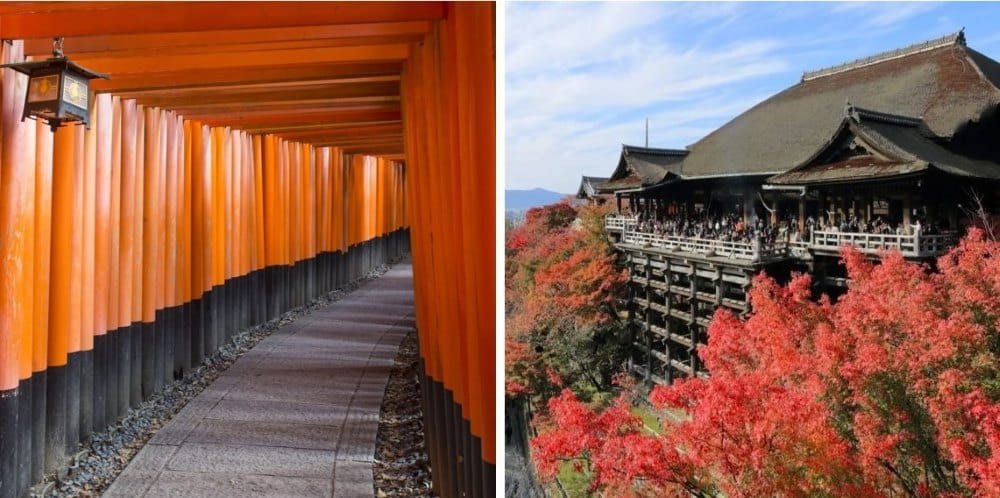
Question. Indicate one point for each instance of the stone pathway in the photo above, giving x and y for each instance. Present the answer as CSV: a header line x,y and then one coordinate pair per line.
x,y
295,416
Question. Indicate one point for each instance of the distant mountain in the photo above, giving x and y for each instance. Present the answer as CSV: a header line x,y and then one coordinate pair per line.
x,y
523,199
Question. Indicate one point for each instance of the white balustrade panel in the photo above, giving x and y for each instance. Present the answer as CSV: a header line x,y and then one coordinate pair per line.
x,y
869,243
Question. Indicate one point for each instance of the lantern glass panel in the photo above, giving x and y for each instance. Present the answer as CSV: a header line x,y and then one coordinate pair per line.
x,y
74,91
43,88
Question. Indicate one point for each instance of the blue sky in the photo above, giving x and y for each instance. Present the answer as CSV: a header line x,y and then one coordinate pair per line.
x,y
581,78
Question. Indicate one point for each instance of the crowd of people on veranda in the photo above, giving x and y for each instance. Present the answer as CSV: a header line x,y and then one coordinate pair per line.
x,y
731,227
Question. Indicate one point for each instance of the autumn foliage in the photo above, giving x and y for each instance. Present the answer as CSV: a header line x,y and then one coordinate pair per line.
x,y
561,290
894,390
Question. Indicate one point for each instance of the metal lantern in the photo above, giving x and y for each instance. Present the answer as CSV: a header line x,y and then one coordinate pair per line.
x,y
58,88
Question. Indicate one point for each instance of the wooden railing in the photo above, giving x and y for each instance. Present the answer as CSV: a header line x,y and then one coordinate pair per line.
x,y
913,246
617,222
745,251
707,247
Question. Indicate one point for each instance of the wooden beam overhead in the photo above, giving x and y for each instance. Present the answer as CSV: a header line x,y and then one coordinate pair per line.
x,y
262,119
102,19
275,128
363,148
180,79
348,140
286,106
151,42
355,131
225,116
246,48
291,86
141,64
267,96
372,150
39,7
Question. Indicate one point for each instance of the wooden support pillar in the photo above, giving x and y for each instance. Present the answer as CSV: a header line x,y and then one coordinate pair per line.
x,y
774,209
693,322
667,321
868,207
931,200
907,218
747,206
822,215
630,319
649,314
60,296
719,286
802,213
17,256
618,202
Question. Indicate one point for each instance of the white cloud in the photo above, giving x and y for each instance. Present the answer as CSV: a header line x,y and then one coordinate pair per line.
x,y
884,14
581,78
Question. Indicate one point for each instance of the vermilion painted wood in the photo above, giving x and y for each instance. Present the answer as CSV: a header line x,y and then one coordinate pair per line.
x,y
116,283
207,16
233,48
88,235
442,85
141,64
259,246
229,208
252,75
43,245
219,224
136,151
237,203
102,215
27,7
210,40
151,226
172,203
189,253
17,213
61,324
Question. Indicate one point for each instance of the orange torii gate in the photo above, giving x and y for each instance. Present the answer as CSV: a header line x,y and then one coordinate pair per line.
x,y
242,159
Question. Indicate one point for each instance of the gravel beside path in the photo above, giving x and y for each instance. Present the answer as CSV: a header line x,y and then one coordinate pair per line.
x,y
402,468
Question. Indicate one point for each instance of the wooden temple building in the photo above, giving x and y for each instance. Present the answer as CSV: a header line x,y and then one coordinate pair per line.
x,y
589,191
895,151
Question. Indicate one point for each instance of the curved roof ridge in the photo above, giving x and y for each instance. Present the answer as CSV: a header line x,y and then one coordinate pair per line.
x,y
860,113
944,41
653,150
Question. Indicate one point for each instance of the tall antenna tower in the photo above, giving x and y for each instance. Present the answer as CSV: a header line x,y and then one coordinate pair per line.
x,y
647,133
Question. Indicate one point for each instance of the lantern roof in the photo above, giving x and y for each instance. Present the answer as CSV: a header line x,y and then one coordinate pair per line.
x,y
53,62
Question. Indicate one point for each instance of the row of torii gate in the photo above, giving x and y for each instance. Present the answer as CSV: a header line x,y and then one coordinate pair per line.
x,y
241,158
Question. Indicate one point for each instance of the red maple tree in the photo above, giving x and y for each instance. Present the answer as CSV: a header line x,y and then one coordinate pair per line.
x,y
894,390
561,289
